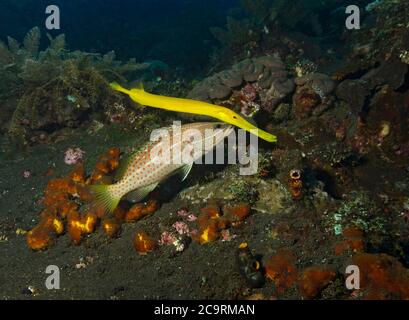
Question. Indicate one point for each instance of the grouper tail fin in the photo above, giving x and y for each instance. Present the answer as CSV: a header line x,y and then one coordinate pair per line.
x,y
104,198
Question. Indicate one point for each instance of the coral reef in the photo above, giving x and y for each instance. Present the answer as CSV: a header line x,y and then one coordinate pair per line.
x,y
250,32
267,71
386,32
331,193
56,88
261,88
321,83
238,35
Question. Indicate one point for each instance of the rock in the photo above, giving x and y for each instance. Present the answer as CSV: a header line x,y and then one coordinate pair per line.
x,y
269,73
266,79
252,72
218,91
391,72
305,100
231,78
286,162
244,66
280,89
215,189
320,82
199,92
279,74
282,112
273,197
354,92
270,62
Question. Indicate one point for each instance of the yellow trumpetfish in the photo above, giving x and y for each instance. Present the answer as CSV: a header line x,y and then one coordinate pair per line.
x,y
224,114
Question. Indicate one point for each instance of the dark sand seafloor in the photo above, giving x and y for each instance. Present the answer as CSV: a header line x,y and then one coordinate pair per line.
x,y
100,268
113,269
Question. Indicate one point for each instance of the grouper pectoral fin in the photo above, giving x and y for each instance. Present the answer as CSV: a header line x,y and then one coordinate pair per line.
x,y
140,193
185,170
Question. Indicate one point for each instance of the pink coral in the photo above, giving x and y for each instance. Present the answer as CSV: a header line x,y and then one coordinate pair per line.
x,y
248,96
405,216
183,212
26,174
226,235
167,238
181,227
249,93
191,217
72,156
403,150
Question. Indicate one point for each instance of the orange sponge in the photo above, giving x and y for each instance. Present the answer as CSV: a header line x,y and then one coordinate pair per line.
x,y
143,243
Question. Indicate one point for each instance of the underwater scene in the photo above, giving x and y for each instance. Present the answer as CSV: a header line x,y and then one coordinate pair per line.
x,y
204,150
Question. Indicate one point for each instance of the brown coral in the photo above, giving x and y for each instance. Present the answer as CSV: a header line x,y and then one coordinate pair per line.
x,y
144,243
208,233
65,199
79,226
314,279
44,233
213,221
106,165
296,185
382,276
305,100
281,269
236,213
140,210
111,227
352,242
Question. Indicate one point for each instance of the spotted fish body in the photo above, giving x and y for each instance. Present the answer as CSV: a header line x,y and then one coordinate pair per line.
x,y
158,160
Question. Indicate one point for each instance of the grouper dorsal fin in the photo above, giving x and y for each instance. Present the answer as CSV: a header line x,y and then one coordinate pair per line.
x,y
140,193
120,172
127,159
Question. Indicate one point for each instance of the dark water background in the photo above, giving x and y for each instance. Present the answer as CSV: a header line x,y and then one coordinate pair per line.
x,y
176,32
173,31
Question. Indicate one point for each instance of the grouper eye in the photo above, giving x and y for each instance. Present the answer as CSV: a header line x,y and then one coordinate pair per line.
x,y
234,117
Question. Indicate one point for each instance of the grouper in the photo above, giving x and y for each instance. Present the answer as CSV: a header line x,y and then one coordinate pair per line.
x,y
173,152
